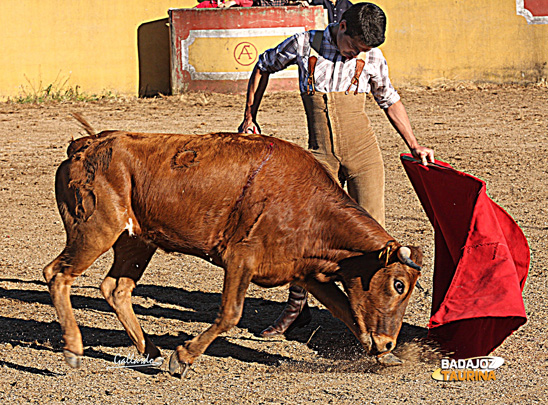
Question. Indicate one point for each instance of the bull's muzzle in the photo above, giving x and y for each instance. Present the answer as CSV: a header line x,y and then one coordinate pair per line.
x,y
377,344
383,343
382,346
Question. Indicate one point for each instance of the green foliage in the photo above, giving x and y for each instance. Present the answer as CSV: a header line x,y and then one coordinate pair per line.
x,y
57,91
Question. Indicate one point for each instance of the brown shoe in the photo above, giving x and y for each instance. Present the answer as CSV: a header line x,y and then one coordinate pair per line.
x,y
296,314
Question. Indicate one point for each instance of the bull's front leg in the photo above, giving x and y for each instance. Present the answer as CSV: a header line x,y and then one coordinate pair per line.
x,y
336,302
236,282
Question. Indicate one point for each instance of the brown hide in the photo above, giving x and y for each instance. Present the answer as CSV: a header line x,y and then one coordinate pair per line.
x,y
263,209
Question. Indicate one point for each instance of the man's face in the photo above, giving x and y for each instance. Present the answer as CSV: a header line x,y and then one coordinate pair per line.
x,y
349,47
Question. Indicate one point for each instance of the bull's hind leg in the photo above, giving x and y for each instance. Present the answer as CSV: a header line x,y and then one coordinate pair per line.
x,y
236,281
131,257
84,245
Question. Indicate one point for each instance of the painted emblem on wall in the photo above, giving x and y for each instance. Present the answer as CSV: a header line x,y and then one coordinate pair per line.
x,y
245,53
230,54
534,11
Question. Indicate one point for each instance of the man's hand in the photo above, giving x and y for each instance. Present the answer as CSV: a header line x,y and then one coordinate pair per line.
x,y
423,154
400,121
249,127
255,90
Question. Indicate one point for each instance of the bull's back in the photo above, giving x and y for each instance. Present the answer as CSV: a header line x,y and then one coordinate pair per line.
x,y
187,188
194,193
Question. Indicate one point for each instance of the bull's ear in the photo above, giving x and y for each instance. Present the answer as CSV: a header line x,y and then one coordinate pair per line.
x,y
388,254
410,256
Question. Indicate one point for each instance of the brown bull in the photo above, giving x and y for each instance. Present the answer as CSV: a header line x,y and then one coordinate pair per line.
x,y
261,208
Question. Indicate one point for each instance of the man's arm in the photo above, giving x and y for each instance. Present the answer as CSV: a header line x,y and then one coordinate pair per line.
x,y
270,61
397,115
255,90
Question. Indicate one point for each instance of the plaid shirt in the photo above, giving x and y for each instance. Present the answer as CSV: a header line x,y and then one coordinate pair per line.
x,y
333,71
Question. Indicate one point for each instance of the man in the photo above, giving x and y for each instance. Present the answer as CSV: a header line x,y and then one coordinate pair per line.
x,y
342,58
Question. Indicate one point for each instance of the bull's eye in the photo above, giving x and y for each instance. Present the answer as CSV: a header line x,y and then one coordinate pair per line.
x,y
399,286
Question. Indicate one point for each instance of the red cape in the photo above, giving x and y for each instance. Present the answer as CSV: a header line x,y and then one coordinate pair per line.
x,y
481,261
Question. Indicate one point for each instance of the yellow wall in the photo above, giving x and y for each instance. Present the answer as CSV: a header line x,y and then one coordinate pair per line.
x,y
479,40
95,42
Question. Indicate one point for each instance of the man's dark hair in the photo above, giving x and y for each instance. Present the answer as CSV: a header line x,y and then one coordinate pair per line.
x,y
367,22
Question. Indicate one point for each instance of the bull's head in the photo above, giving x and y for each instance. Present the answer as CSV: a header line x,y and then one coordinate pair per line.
x,y
379,288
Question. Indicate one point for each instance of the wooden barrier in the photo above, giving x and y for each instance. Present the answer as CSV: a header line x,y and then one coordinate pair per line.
x,y
216,49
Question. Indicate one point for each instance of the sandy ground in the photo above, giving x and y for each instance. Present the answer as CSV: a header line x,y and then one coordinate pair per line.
x,y
496,133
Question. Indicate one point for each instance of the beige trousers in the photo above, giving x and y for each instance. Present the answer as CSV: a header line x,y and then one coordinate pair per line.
x,y
340,136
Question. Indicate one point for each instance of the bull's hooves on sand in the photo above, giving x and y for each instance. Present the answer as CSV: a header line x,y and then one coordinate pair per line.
x,y
389,359
72,359
175,366
158,361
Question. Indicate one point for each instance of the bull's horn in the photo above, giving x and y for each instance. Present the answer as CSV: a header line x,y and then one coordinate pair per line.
x,y
404,254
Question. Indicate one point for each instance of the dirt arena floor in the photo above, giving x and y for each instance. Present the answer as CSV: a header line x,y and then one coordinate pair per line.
x,y
499,134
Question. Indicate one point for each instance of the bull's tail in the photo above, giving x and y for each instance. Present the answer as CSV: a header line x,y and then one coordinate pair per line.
x,y
86,126
76,145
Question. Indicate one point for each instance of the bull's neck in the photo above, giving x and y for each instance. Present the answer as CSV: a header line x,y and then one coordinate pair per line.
x,y
352,230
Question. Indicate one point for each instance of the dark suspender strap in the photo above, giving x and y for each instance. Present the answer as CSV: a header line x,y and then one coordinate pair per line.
x,y
360,63
317,41
312,59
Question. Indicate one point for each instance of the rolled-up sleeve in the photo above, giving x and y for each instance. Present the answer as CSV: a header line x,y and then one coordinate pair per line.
x,y
275,59
381,87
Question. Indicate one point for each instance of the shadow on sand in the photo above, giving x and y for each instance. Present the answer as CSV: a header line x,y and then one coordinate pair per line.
x,y
327,336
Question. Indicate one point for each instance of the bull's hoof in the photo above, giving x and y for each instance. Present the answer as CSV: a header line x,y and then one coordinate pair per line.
x,y
389,359
157,362
176,366
73,360
152,352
